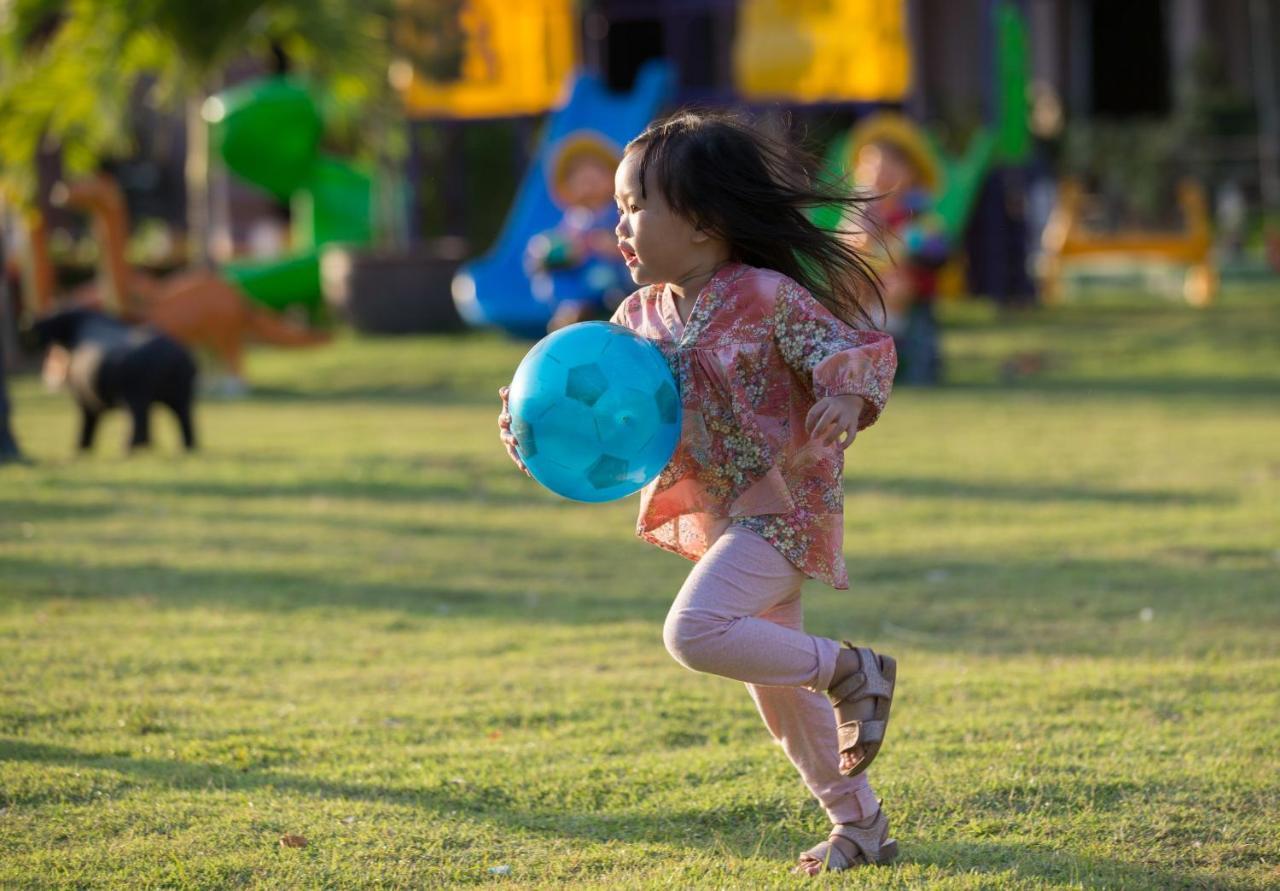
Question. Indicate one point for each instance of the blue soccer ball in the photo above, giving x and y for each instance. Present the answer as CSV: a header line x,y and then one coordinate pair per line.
x,y
595,410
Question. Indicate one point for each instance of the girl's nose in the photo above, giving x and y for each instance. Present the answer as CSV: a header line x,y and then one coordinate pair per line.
x,y
620,230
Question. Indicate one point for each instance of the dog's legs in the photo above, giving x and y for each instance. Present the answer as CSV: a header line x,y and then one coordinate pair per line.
x,y
140,410
181,408
88,426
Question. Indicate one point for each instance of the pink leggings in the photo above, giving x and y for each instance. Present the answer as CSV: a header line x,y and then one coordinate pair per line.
x,y
738,615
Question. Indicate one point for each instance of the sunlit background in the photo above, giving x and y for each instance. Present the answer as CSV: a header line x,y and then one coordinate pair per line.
x,y
345,643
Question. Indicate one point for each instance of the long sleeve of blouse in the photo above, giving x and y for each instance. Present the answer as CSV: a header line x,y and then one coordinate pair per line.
x,y
755,354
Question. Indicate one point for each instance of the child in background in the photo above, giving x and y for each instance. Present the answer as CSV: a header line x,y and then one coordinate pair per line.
x,y
761,316
581,251
916,251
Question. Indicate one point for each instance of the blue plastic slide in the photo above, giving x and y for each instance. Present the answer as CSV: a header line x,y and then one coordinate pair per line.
x,y
494,289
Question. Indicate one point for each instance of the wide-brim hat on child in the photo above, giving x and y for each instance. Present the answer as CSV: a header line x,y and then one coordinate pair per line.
x,y
903,134
578,146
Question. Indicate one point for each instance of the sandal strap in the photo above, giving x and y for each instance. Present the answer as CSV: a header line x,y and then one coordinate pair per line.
x,y
850,851
850,685
851,733
877,685
867,839
851,845
858,855
835,857
819,853
866,682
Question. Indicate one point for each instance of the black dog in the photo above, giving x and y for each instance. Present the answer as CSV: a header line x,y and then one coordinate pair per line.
x,y
114,364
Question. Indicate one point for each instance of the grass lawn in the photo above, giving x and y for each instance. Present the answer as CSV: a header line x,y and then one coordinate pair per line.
x,y
351,619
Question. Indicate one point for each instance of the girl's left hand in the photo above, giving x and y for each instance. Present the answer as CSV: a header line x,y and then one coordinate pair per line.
x,y
832,417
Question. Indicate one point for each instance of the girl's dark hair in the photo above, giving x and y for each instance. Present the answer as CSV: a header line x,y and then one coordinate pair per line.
x,y
719,171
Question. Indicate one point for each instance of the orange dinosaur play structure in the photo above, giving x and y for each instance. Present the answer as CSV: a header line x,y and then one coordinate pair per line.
x,y
197,307
1066,238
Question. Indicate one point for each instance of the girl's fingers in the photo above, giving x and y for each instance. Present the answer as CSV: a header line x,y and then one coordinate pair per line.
x,y
508,440
852,433
809,420
842,425
512,444
814,425
828,426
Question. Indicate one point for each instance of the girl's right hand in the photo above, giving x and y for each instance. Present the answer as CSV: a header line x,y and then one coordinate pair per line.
x,y
505,434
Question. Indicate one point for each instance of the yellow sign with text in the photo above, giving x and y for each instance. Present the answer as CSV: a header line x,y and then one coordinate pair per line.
x,y
822,50
516,60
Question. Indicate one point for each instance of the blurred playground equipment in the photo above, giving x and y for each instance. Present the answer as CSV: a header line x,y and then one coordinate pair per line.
x,y
268,133
487,85
1067,240
852,51
516,60
495,289
796,55
197,307
954,181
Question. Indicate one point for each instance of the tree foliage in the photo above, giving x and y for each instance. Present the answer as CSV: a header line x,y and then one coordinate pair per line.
x,y
69,69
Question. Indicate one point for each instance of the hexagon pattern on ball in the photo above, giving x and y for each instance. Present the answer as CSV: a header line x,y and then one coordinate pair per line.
x,y
596,411
586,383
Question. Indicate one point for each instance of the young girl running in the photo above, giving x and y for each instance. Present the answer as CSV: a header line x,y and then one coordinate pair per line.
x,y
760,315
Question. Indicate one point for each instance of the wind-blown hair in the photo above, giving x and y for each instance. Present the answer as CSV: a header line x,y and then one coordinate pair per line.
x,y
721,173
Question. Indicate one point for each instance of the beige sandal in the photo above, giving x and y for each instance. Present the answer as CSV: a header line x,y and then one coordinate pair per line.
x,y
874,679
852,844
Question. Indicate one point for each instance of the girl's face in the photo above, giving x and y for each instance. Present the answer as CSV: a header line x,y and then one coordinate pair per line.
x,y
659,245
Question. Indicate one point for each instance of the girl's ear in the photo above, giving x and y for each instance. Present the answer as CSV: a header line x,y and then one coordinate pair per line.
x,y
700,234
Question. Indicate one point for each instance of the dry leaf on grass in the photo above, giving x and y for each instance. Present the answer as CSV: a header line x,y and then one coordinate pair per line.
x,y
289,840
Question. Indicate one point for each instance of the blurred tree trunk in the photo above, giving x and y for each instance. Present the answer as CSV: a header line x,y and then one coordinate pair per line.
x,y
196,173
9,450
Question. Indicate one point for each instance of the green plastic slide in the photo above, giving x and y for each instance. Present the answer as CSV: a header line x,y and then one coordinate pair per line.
x,y
268,133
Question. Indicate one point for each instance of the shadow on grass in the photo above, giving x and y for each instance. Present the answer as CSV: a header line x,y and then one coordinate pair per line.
x,y
1037,862
735,830
259,590
944,487
470,480
462,482
996,606
23,510
424,396
1252,389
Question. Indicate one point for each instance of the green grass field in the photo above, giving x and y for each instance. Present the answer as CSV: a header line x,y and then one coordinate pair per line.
x,y
351,619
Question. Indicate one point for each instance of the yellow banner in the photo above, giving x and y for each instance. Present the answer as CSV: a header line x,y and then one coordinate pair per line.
x,y
822,50
517,58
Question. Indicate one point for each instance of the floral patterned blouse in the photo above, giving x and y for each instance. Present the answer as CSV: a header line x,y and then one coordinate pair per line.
x,y
757,352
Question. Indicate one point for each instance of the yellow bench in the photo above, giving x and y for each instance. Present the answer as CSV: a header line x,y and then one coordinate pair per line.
x,y
1066,239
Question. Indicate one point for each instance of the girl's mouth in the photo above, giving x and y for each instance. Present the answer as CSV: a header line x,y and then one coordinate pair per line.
x,y
628,254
